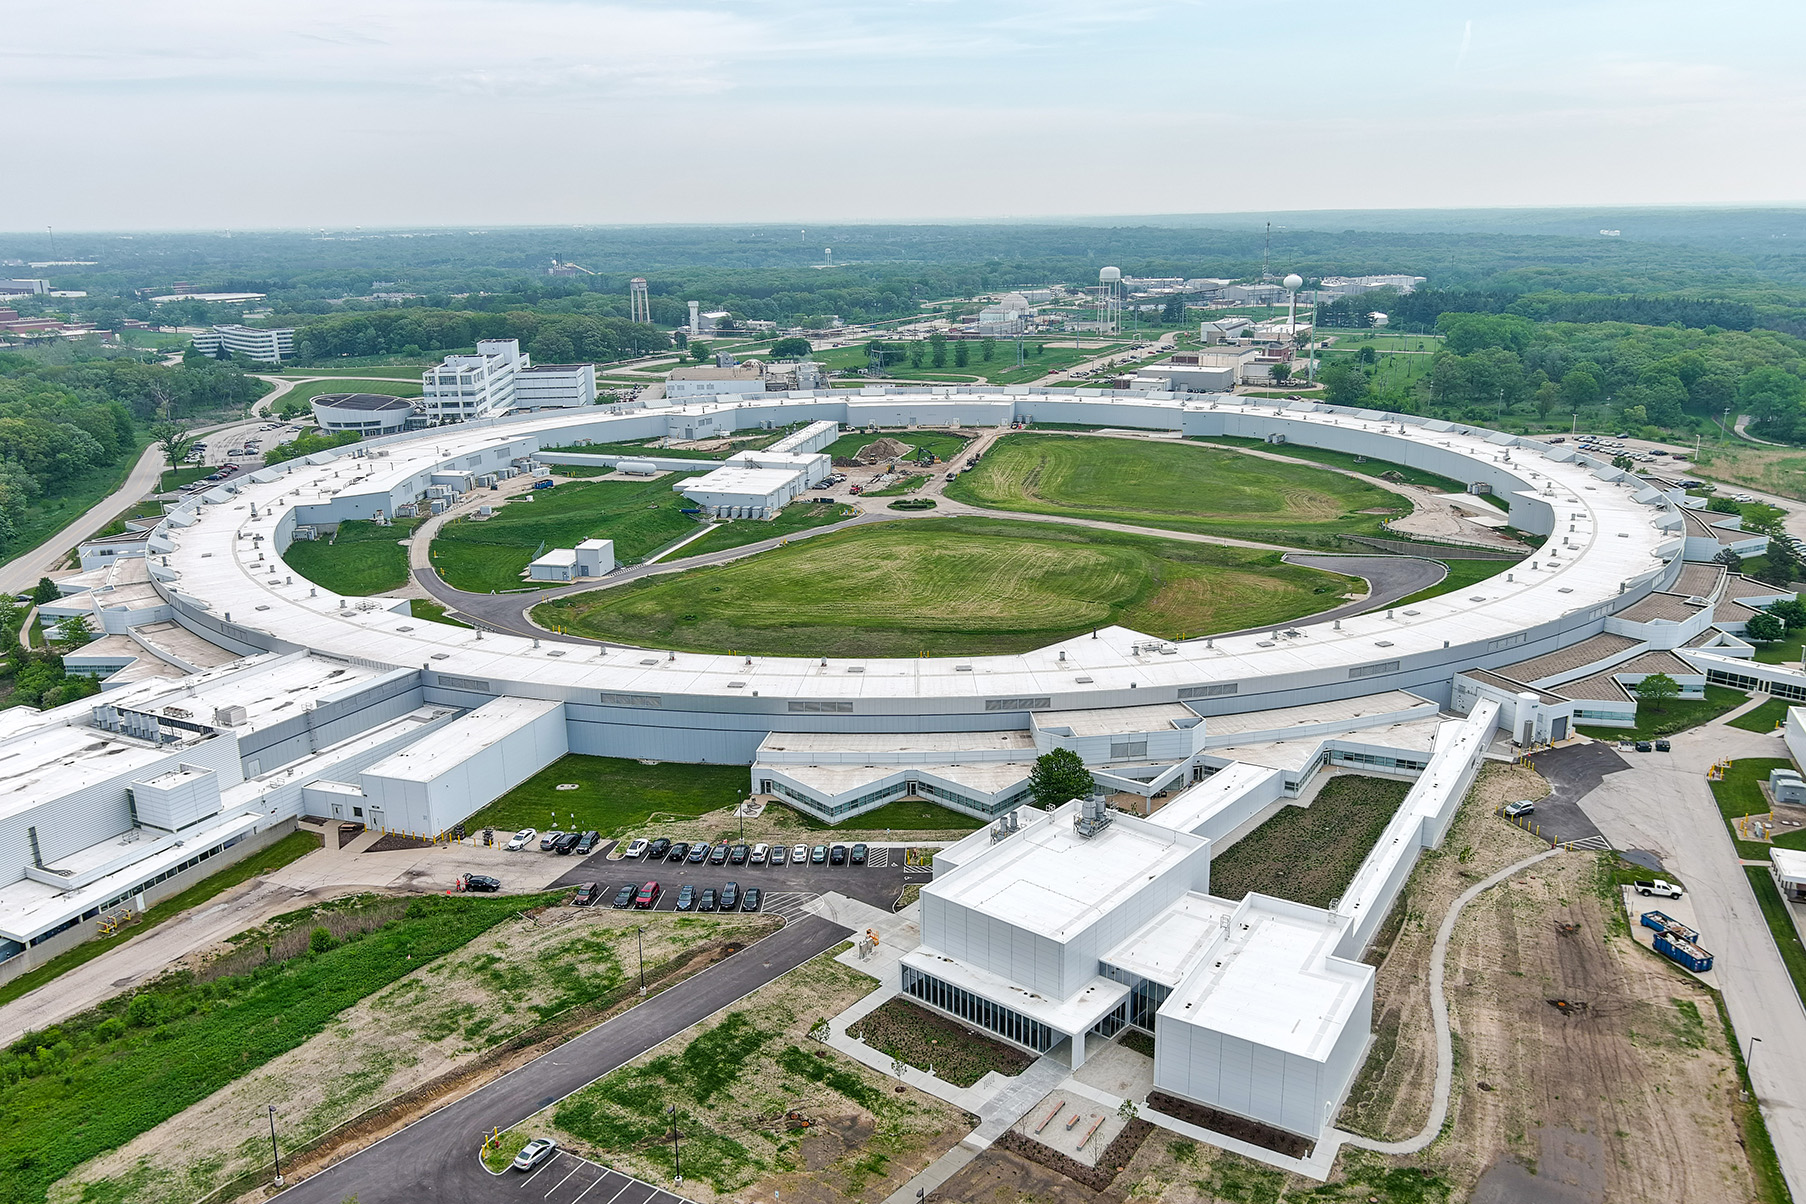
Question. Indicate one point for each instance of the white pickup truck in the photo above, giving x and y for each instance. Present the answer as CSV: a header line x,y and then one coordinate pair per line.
x,y
1657,886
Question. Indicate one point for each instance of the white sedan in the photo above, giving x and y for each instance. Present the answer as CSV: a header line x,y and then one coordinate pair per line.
x,y
534,1153
521,840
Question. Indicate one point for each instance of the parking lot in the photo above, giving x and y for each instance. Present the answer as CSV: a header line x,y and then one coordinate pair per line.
x,y
785,888
568,1179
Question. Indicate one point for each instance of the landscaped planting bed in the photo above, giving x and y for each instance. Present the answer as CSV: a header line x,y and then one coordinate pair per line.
x,y
1310,854
929,1041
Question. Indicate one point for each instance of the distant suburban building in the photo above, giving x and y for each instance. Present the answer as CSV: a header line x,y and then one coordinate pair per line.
x,y
1252,294
464,387
685,383
365,413
1222,330
551,386
1010,316
23,288
1348,286
264,346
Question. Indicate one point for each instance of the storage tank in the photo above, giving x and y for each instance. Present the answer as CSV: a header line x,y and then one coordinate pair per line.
x,y
641,468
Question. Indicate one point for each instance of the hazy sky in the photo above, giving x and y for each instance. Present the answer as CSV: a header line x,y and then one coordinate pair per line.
x,y
247,113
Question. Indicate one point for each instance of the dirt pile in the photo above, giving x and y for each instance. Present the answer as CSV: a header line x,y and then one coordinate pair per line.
x,y
884,449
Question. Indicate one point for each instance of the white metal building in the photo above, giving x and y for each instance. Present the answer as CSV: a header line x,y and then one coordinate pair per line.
x,y
555,386
366,413
689,383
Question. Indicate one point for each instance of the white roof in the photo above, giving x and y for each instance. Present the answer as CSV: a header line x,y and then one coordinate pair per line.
x,y
1790,864
442,750
1114,721
1272,979
1189,811
1074,1014
1169,947
1051,881
47,763
558,558
755,482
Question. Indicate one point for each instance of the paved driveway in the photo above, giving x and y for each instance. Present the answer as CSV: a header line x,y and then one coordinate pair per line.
x,y
1661,802
1573,773
435,1158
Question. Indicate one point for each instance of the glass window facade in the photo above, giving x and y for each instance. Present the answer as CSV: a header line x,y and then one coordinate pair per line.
x,y
992,1017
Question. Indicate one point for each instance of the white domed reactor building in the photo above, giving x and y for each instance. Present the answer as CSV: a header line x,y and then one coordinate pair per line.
x,y
239,697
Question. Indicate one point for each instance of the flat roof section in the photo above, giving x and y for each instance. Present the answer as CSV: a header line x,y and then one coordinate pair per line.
x,y
1574,656
1049,880
1386,702
986,776
840,744
1114,721
363,401
1171,946
1672,608
1698,580
1185,811
1274,980
1405,736
267,691
436,753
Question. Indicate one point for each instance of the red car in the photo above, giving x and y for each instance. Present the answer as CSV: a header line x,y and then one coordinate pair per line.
x,y
647,898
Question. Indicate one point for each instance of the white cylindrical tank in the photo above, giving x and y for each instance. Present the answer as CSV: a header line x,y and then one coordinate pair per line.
x,y
1294,282
1107,275
637,467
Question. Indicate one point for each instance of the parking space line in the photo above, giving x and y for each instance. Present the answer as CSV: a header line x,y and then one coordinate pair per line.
x,y
581,1163
592,1187
540,1171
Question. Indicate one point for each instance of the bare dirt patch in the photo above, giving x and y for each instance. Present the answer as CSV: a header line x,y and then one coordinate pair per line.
x,y
442,1031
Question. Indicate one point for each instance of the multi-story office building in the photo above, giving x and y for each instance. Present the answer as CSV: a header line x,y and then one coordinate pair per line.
x,y
554,386
464,387
265,346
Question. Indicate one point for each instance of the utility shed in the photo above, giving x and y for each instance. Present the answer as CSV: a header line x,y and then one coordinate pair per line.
x,y
442,778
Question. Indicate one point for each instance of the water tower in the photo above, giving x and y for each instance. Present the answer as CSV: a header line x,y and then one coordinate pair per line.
x,y
639,305
1109,300
1293,283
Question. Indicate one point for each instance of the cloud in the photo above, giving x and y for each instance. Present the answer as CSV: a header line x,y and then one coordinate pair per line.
x,y
1467,40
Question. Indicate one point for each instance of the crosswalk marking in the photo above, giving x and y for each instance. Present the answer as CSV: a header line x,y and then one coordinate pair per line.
x,y
1597,843
789,904
878,858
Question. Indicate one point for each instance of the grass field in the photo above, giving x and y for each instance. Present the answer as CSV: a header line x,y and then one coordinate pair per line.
x,y
290,848
1739,793
175,478
941,443
1462,573
1676,715
948,587
613,796
797,516
433,612
1186,487
1765,718
1348,460
45,516
99,1079
361,559
640,516
1310,854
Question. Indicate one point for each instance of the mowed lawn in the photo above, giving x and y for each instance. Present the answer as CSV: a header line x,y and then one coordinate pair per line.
x,y
640,516
950,587
613,795
362,558
797,516
1180,486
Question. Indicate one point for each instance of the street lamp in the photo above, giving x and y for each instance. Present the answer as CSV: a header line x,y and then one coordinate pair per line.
x,y
677,1157
1749,1058
275,1154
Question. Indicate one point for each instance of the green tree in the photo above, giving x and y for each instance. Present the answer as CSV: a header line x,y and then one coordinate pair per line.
x,y
1762,627
1730,559
321,939
46,591
75,631
793,348
1282,373
987,350
1173,312
1624,462
1059,777
937,350
918,350
1656,689
1580,387
1782,562
962,353
1344,384
1792,612
699,352
174,439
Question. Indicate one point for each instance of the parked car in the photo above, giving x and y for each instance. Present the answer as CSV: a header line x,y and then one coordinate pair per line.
x,y
586,844
730,896
718,855
799,854
521,840
779,855
686,898
837,855
698,854
566,843
679,851
740,854
548,840
625,896
1664,746
1522,807
534,1153
707,901
638,847
818,855
586,894
1657,886
859,854
659,848
753,897
760,854
483,883
1645,746
647,899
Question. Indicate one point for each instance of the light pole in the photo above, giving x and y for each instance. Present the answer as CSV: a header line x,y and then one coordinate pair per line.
x,y
1751,1057
677,1157
275,1154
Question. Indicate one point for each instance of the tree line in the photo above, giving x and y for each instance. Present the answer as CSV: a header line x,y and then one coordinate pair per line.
x,y
1420,311
551,338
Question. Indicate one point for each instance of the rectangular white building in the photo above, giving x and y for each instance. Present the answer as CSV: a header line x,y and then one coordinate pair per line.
x,y
265,346
690,383
464,387
555,386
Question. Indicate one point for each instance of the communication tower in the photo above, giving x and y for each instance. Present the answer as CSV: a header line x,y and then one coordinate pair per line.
x,y
639,305
1109,300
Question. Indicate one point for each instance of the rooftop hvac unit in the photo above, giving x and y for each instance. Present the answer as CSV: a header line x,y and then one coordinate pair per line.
x,y
304,533
229,716
1093,817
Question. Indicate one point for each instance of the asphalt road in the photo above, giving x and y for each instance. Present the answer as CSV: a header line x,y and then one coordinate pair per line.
x,y
876,885
435,1158
1661,802
1573,773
